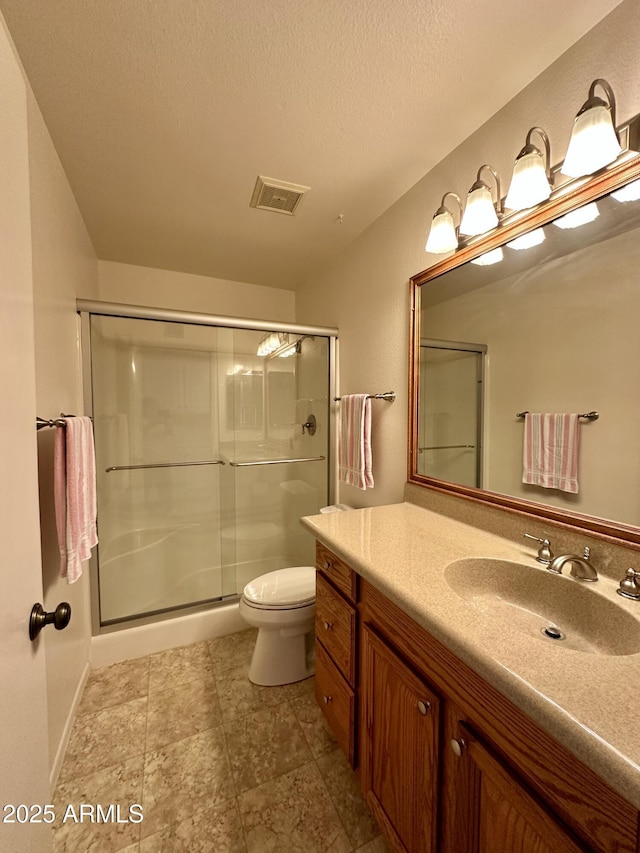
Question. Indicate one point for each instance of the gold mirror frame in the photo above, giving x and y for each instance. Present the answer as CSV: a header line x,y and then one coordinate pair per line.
x,y
566,198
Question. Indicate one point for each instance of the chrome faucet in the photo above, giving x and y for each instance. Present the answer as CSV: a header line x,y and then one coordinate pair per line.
x,y
581,567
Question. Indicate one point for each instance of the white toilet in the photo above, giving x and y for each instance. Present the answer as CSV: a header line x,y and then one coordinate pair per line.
x,y
282,606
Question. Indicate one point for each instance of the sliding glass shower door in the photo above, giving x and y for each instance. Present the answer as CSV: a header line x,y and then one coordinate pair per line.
x,y
205,458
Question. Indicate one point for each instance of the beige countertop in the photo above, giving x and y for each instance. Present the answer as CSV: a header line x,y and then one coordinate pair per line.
x,y
589,702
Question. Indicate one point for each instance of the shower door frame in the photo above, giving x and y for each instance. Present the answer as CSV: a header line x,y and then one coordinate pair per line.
x,y
482,351
85,308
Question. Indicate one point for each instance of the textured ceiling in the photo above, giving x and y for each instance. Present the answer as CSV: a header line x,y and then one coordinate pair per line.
x,y
164,112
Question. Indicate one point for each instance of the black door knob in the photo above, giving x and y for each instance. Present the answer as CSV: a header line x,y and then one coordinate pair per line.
x,y
60,618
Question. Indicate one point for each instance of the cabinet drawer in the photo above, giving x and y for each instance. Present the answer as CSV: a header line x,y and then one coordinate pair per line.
x,y
336,627
337,702
338,572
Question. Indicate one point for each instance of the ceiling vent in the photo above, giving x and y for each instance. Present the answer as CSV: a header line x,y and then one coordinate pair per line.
x,y
278,196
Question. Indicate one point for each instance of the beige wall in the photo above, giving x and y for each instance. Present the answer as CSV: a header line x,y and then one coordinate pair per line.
x,y
64,265
365,291
186,292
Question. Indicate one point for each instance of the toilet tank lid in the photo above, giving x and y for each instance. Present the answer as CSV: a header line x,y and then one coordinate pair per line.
x,y
295,585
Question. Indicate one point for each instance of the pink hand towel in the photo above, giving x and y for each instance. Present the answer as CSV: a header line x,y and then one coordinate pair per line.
x,y
75,495
354,453
550,457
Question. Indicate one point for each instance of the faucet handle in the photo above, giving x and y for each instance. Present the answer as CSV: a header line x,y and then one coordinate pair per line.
x,y
629,586
545,554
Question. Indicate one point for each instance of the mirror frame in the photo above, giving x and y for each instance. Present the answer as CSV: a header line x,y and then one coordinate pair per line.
x,y
567,197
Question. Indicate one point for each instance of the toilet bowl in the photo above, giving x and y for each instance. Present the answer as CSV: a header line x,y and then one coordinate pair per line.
x,y
282,606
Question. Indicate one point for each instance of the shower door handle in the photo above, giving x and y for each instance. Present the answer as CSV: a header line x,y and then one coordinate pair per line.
x,y
276,461
164,465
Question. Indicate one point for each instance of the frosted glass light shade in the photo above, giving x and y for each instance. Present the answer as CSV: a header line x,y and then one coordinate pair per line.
x,y
479,214
489,258
529,184
526,241
594,142
578,217
442,234
631,192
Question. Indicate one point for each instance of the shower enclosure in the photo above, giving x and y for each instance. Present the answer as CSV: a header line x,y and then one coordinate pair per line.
x,y
451,411
212,438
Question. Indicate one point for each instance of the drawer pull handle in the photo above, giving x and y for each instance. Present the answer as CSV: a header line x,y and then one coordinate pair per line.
x,y
327,625
328,564
327,699
424,707
458,746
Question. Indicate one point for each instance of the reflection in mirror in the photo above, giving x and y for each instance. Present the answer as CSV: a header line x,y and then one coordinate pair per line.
x,y
557,320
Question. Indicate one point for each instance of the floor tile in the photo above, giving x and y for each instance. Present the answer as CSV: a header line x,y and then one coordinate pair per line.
x,y
213,830
265,744
300,688
314,725
120,785
183,777
293,813
232,650
105,738
378,845
238,696
344,789
182,710
113,685
179,666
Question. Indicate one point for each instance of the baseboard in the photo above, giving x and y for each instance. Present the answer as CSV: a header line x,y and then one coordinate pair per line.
x,y
66,733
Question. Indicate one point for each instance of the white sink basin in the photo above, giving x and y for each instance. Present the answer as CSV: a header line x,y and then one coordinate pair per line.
x,y
530,600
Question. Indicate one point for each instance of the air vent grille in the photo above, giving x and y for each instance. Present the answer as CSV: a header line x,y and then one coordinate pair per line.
x,y
278,196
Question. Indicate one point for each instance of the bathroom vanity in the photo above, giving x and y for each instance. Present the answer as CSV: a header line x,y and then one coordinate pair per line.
x,y
471,730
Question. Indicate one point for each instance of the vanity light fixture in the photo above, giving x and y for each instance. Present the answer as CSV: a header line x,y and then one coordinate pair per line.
x,y
481,213
531,181
528,240
443,234
270,343
578,217
489,258
630,192
594,141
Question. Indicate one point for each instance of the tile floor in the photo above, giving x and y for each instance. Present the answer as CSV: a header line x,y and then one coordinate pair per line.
x,y
217,763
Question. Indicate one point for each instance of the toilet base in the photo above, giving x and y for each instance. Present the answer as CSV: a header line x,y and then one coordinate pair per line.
x,y
282,658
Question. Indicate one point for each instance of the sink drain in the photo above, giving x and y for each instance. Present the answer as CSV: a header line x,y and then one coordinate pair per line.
x,y
553,632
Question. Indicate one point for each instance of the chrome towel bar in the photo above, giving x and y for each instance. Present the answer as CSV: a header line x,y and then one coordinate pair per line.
x,y
389,396
590,416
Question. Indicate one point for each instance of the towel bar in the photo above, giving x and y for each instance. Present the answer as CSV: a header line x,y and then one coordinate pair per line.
x,y
590,416
389,396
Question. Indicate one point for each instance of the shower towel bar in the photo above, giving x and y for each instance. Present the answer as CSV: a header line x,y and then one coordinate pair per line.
x,y
276,461
590,416
389,396
163,465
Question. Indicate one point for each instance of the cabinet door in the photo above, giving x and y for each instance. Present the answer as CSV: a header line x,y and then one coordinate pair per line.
x,y
400,760
494,811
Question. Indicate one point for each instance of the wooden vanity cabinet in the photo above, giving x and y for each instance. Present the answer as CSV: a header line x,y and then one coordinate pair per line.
x,y
336,631
401,717
507,788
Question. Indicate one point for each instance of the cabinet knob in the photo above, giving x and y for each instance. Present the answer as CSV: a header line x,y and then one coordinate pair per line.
x,y
424,707
327,699
327,564
458,745
327,625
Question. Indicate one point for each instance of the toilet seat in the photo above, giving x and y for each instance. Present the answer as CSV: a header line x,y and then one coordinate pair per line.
x,y
283,589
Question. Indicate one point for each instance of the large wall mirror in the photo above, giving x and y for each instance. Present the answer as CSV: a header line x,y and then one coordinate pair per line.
x,y
553,326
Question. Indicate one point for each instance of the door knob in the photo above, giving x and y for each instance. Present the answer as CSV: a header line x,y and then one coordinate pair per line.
x,y
60,618
423,707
